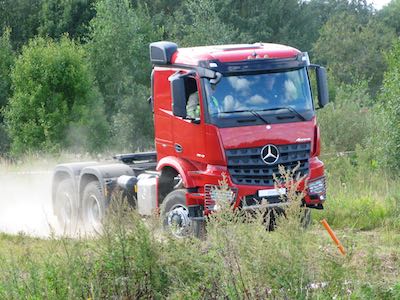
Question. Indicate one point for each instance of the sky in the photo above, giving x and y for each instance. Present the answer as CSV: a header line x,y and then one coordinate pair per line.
x,y
378,4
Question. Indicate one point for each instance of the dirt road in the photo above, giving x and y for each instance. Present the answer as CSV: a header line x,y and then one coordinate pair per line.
x,y
25,202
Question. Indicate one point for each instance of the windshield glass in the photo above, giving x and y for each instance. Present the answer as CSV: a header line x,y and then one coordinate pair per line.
x,y
287,92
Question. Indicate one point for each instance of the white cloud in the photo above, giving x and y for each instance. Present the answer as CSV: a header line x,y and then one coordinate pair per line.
x,y
257,99
239,84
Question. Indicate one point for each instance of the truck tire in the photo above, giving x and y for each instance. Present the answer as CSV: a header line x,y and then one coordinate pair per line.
x,y
175,216
93,207
65,207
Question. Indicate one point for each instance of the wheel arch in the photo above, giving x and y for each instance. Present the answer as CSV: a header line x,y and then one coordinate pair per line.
x,y
65,171
102,173
170,167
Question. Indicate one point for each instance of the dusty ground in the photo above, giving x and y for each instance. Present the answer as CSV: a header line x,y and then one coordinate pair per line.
x,y
25,202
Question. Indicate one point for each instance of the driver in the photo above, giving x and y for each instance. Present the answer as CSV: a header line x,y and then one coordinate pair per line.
x,y
193,106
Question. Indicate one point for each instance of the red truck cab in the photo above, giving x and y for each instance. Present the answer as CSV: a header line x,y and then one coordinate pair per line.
x,y
234,111
244,127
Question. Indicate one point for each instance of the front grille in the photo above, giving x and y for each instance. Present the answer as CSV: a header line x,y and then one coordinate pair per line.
x,y
247,168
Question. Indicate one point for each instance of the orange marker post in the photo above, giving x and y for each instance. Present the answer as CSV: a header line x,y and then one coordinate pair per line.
x,y
333,236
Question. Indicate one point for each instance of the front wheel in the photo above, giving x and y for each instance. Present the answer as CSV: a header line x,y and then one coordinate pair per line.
x,y
93,207
175,216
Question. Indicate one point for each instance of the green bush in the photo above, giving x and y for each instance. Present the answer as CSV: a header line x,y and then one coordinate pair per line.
x,y
55,103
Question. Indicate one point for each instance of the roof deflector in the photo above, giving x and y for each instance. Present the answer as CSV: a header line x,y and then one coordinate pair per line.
x,y
161,52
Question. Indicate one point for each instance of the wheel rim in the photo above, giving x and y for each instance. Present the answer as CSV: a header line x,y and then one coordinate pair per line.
x,y
178,221
93,213
66,209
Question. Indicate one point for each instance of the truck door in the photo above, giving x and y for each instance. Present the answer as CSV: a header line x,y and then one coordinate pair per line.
x,y
189,133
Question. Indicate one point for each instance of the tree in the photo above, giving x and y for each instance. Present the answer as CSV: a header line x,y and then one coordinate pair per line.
x,y
353,50
65,16
198,23
133,122
118,48
22,17
119,53
389,15
55,103
390,101
6,63
272,21
315,14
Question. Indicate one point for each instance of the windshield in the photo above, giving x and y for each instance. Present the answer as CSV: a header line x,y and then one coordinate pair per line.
x,y
270,94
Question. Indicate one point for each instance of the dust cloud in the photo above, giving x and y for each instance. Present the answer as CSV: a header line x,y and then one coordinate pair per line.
x,y
25,203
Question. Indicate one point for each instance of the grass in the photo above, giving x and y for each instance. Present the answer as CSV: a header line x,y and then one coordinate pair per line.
x,y
132,259
238,260
360,196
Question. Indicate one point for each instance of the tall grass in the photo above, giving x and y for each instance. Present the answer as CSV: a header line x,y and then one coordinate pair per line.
x,y
240,259
360,194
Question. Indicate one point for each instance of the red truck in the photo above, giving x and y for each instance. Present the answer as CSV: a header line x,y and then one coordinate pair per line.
x,y
239,110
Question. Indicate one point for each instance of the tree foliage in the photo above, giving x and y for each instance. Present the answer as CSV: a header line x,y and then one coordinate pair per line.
x,y
65,16
118,49
264,21
22,17
132,124
198,23
315,14
55,103
389,15
390,101
353,50
6,63
348,36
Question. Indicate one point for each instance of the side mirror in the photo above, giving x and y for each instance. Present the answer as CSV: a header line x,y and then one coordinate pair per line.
x,y
178,93
322,86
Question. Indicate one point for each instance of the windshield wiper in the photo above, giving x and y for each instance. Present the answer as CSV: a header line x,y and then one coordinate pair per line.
x,y
253,112
256,114
289,108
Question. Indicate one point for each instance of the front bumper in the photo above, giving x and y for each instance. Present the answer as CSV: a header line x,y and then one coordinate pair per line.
x,y
213,176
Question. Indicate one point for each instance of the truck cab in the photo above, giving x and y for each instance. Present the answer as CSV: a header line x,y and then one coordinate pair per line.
x,y
255,112
231,111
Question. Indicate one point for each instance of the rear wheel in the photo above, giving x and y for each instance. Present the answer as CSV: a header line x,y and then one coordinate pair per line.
x,y
93,207
65,207
175,216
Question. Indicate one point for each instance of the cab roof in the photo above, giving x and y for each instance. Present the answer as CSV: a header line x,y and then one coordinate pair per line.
x,y
230,53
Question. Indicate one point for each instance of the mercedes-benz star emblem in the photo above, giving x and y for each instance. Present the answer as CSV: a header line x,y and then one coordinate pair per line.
x,y
270,154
